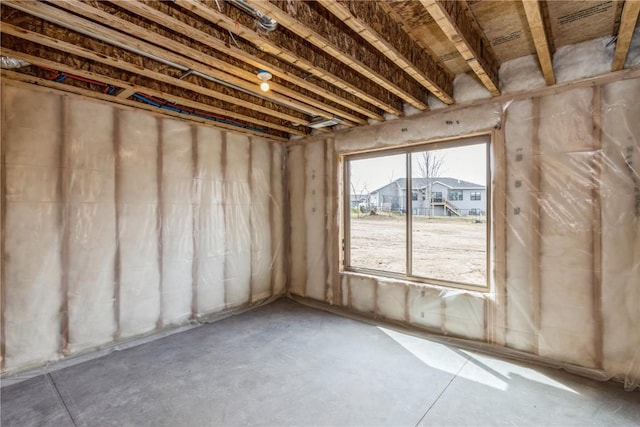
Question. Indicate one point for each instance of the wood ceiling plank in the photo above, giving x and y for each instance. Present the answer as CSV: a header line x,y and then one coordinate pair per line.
x,y
322,30
441,47
574,22
504,23
294,51
630,13
372,23
540,38
75,23
127,92
457,22
24,78
47,41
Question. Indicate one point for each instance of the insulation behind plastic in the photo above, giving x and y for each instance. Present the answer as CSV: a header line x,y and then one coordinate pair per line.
x,y
118,222
92,224
570,220
237,203
210,232
137,222
177,221
32,234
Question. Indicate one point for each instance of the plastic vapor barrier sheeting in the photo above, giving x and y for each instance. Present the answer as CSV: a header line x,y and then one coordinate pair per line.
x,y
118,223
566,222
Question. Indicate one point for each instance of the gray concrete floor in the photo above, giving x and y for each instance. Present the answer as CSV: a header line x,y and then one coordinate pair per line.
x,y
287,364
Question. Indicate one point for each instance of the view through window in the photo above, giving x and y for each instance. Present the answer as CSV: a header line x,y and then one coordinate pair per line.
x,y
438,233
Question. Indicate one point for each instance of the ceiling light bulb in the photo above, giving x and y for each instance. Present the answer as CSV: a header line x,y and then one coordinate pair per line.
x,y
264,76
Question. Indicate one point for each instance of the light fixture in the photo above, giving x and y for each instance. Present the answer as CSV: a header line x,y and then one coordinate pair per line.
x,y
265,76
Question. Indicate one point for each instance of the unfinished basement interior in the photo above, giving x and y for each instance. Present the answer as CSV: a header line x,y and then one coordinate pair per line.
x,y
323,213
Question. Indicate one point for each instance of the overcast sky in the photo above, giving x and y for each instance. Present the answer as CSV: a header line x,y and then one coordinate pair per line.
x,y
466,163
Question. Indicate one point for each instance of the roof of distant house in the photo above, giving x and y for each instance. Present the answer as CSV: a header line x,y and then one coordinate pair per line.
x,y
453,183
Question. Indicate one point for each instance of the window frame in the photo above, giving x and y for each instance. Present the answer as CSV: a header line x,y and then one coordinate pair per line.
x,y
488,140
459,198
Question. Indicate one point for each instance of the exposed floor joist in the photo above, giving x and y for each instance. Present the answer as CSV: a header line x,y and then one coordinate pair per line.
x,y
18,77
116,38
128,90
458,24
95,12
374,25
630,14
540,38
290,49
107,54
56,54
307,21
208,52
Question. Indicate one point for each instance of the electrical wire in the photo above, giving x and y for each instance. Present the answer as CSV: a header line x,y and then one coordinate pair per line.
x,y
229,31
159,103
61,76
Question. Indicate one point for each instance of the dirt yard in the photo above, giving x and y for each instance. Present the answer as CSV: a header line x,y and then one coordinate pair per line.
x,y
452,249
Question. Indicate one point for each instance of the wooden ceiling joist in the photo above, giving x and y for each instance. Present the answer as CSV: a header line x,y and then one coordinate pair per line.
x,y
308,22
241,50
540,38
457,22
67,20
71,22
630,13
372,23
76,54
248,80
128,89
289,48
123,101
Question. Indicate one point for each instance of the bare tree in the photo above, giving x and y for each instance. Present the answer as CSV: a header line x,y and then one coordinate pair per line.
x,y
431,165
363,190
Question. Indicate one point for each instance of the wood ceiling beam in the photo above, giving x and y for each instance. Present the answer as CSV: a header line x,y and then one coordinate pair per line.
x,y
457,22
45,59
372,23
291,49
245,52
223,70
323,31
129,89
630,13
75,23
540,38
24,78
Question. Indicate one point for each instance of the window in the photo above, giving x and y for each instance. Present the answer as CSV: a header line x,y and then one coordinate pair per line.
x,y
454,195
412,232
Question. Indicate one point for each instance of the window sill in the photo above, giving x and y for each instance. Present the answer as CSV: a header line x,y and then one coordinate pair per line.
x,y
419,282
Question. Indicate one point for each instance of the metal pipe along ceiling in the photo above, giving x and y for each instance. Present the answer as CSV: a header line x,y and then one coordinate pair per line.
x,y
264,21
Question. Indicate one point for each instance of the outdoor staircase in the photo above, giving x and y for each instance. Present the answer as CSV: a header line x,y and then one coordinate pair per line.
x,y
448,206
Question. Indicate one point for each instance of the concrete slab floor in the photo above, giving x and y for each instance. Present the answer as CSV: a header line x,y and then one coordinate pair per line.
x,y
287,364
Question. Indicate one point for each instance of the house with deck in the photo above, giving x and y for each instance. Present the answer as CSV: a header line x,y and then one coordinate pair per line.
x,y
441,196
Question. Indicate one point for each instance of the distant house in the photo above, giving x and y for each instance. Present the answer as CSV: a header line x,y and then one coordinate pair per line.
x,y
440,196
359,200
